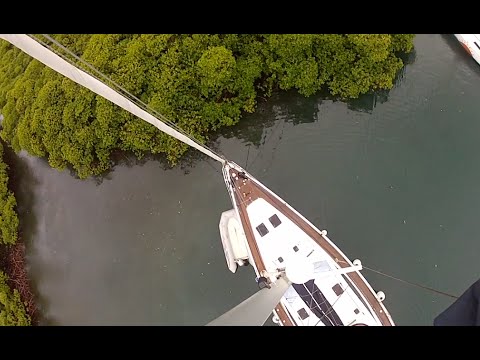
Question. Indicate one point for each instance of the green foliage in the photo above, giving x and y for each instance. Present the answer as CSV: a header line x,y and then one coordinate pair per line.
x,y
402,42
349,65
200,82
215,68
8,215
12,310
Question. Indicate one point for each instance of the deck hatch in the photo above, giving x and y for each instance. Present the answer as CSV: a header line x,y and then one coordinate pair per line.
x,y
337,288
302,313
262,229
274,220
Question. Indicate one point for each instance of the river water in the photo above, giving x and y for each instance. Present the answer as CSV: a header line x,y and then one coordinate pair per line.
x,y
394,178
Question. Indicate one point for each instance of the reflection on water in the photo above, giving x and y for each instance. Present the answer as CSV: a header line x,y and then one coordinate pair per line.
x,y
461,55
392,176
22,182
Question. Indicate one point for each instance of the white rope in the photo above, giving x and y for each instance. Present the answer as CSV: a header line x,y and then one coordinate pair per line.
x,y
52,60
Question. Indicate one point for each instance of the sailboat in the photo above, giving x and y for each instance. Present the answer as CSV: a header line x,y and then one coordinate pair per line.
x,y
471,43
304,279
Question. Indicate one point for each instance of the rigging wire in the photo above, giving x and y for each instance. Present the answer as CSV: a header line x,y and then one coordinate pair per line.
x,y
118,87
331,308
170,123
248,153
122,89
412,283
267,138
407,282
275,147
317,305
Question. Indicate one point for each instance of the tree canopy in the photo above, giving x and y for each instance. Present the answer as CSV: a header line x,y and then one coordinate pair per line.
x,y
200,82
12,309
8,203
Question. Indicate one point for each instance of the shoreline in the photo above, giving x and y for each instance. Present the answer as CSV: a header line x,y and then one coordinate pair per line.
x,y
12,256
15,268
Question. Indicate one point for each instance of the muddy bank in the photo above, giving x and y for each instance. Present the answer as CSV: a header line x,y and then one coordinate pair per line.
x,y
14,265
12,257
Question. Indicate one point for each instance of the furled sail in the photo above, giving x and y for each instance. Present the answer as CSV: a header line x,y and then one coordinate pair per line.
x,y
52,60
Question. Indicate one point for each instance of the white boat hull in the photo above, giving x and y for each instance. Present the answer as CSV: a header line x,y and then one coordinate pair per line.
x,y
279,241
471,43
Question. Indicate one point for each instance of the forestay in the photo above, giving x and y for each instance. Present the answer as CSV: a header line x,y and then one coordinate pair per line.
x,y
52,60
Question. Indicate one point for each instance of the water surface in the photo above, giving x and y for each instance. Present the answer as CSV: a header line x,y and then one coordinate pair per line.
x,y
394,178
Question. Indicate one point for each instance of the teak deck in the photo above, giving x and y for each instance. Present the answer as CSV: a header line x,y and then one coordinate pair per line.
x,y
248,190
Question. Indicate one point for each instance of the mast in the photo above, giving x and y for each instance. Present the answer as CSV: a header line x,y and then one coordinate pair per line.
x,y
52,60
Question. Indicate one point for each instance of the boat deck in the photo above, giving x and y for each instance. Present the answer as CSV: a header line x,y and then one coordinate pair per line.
x,y
249,197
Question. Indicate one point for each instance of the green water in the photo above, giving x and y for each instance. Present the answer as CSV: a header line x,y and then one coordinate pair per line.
x,y
394,178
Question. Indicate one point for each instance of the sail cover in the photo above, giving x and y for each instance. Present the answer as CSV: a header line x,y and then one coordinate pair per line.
x,y
318,303
465,311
